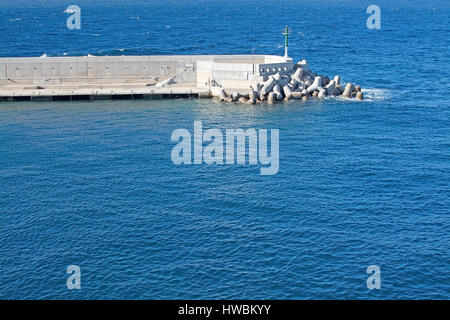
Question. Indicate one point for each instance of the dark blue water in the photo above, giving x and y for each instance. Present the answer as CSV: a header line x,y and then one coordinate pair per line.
x,y
92,183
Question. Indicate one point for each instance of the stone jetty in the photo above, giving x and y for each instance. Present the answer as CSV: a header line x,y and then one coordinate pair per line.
x,y
297,83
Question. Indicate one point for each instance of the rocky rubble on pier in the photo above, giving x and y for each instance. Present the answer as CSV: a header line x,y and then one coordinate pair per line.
x,y
301,84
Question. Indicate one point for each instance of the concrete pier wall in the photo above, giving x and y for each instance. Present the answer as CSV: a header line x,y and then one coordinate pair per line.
x,y
74,68
240,72
138,72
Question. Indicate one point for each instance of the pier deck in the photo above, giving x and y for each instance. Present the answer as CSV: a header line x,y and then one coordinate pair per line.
x,y
110,92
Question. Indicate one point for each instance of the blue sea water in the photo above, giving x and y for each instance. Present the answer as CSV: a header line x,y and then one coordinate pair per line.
x,y
92,183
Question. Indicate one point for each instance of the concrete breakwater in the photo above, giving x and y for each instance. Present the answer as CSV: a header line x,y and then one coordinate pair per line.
x,y
244,78
294,83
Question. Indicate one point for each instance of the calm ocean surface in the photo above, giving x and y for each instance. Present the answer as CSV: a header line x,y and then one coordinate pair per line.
x,y
92,183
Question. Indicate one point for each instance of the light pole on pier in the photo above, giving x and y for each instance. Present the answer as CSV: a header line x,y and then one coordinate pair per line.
x,y
286,31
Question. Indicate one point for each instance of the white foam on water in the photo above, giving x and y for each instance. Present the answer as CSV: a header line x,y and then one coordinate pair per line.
x,y
374,94
370,95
